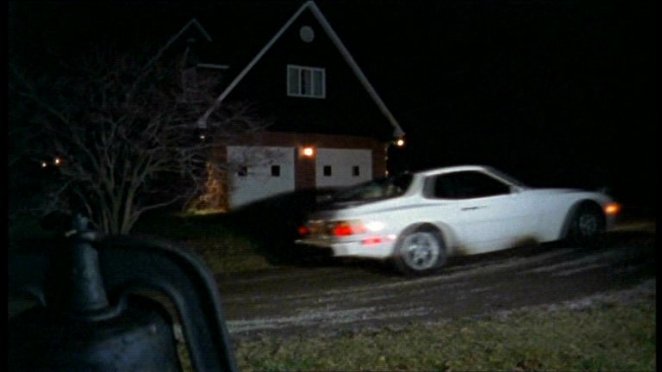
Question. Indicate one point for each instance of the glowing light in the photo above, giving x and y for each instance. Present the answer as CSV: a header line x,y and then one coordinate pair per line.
x,y
57,161
374,240
202,137
377,240
375,226
343,230
303,230
612,209
347,228
308,151
400,142
44,164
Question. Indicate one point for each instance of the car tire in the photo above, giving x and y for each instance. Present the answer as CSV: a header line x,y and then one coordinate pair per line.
x,y
420,251
587,225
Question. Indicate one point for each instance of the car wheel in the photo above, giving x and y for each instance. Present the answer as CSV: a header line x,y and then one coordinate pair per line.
x,y
587,225
420,252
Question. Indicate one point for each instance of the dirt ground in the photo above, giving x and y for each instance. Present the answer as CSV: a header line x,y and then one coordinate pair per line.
x,y
337,296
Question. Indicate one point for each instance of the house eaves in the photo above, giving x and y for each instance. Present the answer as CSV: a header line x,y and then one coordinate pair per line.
x,y
326,26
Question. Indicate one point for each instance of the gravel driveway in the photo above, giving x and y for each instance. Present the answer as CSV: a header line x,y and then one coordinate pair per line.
x,y
338,296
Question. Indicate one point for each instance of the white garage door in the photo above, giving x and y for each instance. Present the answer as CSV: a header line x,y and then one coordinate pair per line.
x,y
259,172
341,167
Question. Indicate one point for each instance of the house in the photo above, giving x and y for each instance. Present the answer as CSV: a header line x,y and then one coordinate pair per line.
x,y
330,128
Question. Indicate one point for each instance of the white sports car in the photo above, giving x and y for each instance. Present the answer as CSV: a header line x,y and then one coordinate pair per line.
x,y
419,219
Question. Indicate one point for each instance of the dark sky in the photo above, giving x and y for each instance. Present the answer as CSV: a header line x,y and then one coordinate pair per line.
x,y
556,92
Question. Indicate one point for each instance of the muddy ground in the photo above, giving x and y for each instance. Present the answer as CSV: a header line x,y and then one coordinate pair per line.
x,y
340,296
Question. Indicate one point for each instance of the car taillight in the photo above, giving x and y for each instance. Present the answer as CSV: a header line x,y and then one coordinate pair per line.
x,y
347,228
303,230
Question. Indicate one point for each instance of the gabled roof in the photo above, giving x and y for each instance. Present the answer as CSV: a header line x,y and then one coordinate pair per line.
x,y
319,16
192,24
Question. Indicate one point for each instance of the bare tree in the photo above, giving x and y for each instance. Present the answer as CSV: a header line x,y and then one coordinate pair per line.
x,y
122,134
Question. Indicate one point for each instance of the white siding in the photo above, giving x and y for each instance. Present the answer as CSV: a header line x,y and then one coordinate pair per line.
x,y
259,182
342,164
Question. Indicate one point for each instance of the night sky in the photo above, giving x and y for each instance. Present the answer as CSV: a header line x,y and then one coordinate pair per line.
x,y
557,93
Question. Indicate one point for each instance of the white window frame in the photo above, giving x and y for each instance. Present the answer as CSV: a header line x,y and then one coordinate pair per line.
x,y
317,86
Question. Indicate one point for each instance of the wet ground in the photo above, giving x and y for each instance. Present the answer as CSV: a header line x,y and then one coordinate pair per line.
x,y
335,296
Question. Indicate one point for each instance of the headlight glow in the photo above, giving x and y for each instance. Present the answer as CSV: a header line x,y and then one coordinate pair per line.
x,y
612,209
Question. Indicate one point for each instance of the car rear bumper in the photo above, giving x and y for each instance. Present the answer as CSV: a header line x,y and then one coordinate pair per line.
x,y
354,248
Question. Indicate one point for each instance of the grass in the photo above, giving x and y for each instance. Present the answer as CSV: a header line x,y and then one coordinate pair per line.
x,y
219,240
254,239
223,247
610,337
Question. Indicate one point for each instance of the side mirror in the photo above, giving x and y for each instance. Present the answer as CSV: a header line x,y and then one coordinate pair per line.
x,y
88,281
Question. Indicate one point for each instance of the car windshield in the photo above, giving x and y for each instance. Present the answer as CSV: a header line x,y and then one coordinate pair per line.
x,y
382,188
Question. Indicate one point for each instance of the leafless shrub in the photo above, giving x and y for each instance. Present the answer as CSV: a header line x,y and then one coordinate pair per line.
x,y
125,133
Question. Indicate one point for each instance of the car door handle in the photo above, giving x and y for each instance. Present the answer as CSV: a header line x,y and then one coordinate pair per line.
x,y
472,208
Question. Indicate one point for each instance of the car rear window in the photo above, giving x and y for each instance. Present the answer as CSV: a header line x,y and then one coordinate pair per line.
x,y
381,188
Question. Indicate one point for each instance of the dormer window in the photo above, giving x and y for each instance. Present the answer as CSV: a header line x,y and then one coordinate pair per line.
x,y
305,81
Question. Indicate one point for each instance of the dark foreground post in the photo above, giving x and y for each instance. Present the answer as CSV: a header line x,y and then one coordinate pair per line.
x,y
92,315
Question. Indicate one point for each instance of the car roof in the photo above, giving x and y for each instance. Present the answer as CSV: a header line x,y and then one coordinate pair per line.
x,y
455,168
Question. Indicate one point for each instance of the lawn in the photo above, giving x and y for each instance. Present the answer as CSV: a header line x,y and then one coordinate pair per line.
x,y
221,241
605,337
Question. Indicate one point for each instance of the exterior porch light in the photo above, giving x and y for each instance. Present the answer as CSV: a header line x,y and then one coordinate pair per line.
x,y
400,142
308,152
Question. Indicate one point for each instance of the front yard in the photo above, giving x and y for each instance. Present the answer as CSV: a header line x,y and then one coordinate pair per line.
x,y
609,335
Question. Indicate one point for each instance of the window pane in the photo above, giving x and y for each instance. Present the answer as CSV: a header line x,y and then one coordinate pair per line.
x,y
443,187
318,83
306,82
356,171
477,185
292,80
327,170
275,170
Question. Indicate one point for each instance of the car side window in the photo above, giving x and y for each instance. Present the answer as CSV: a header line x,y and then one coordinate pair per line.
x,y
467,185
443,187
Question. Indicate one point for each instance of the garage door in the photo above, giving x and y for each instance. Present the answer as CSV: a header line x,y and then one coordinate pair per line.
x,y
259,172
342,167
